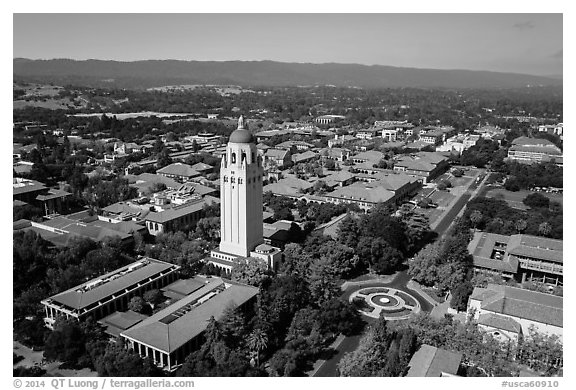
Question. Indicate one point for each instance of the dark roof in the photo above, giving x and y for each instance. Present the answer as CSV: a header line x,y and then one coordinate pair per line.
x,y
22,186
183,287
115,281
241,136
171,328
119,321
430,361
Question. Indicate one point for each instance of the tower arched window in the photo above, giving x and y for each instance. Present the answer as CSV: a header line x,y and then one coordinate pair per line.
x,y
233,158
225,179
243,158
239,181
232,180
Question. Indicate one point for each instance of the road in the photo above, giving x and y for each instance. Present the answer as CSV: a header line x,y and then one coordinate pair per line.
x,y
445,223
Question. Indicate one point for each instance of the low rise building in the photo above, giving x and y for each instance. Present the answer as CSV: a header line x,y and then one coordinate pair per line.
x,y
279,158
527,308
32,192
533,150
370,133
432,362
370,156
170,335
521,257
111,292
178,171
426,165
172,216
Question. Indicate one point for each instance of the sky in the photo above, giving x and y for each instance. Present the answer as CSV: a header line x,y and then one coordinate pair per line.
x,y
519,43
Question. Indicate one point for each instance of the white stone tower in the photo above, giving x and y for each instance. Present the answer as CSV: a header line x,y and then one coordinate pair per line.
x,y
240,194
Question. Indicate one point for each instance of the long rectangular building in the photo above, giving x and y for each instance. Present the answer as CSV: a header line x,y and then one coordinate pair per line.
x,y
171,334
106,294
519,256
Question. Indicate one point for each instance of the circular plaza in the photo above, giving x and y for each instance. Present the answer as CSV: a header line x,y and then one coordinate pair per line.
x,y
394,304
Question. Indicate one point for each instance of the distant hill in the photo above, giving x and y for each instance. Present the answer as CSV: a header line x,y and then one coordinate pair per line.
x,y
157,73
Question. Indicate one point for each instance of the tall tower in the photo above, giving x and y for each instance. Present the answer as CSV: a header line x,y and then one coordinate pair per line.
x,y
240,194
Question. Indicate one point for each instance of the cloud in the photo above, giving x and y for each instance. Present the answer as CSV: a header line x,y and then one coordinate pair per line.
x,y
559,54
524,25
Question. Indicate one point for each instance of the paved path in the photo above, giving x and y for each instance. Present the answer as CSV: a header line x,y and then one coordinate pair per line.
x,y
319,363
443,225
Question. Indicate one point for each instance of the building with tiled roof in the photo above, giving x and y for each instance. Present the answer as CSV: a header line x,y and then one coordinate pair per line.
x,y
303,157
339,179
365,195
427,165
542,311
171,334
433,362
178,171
295,145
520,256
173,216
280,158
502,328
289,186
370,156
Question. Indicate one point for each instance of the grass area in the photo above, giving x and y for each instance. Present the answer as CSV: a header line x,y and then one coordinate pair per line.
x,y
52,104
514,199
407,298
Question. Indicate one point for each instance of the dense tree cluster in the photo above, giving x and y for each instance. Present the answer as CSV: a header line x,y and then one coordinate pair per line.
x,y
494,215
526,176
382,352
40,271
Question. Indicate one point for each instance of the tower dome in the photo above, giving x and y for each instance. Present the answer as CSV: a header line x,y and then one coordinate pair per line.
x,y
241,135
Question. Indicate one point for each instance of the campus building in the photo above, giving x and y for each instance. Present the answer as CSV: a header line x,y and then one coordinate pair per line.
x,y
520,257
425,165
32,192
434,362
170,335
508,312
534,150
109,293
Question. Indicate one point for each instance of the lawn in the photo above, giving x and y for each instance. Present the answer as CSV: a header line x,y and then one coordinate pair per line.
x,y
514,199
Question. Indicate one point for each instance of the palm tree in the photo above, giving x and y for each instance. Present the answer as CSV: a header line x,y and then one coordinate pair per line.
x,y
257,342
521,225
476,217
545,228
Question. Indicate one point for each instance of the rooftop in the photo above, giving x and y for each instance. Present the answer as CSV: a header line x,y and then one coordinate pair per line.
x,y
179,169
22,186
180,210
171,328
499,322
86,294
430,361
516,302
363,192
